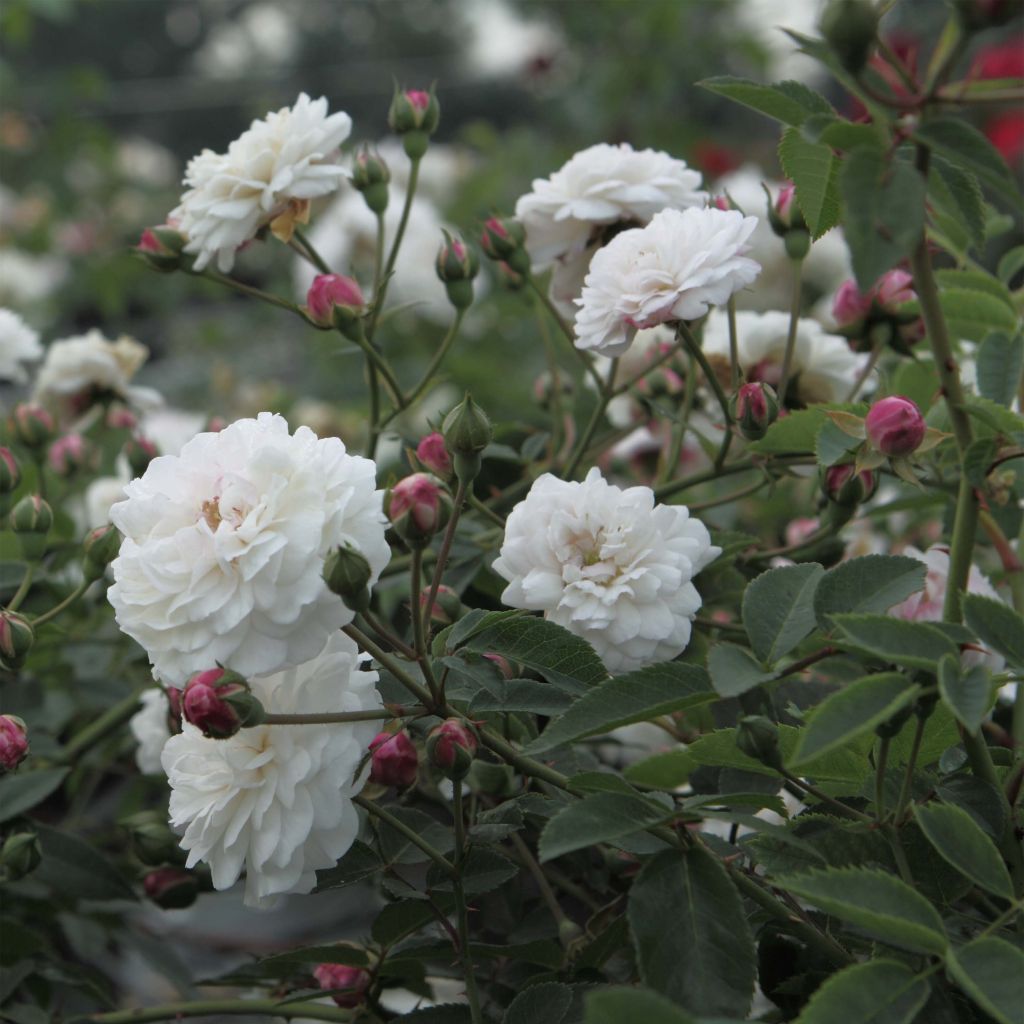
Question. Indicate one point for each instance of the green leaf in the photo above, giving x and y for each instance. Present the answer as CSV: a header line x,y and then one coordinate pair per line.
x,y
74,867
856,709
997,625
875,901
965,146
960,841
21,791
788,102
359,863
967,694
598,818
632,1006
958,191
519,695
838,132
814,169
483,869
991,972
635,697
973,314
976,281
690,932
559,656
1011,264
911,644
999,365
665,771
797,432
734,670
832,444
778,609
401,918
546,1003
884,202
873,583
877,992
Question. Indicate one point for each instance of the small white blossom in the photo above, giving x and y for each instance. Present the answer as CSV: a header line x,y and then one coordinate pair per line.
x,y
19,344
149,727
225,544
276,800
607,564
678,266
267,176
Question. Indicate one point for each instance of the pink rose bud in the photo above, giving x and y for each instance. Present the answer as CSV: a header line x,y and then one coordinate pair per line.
x,y
784,214
148,242
414,110
32,425
418,506
13,743
784,201
161,248
754,408
893,289
432,454
849,307
68,454
334,299
722,203
99,549
171,888
451,747
140,452
456,266
10,471
219,703
31,515
447,606
502,239
848,488
503,665
895,426
16,639
394,760
340,976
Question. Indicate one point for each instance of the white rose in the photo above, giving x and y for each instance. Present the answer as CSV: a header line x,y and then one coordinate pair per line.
x,y
19,344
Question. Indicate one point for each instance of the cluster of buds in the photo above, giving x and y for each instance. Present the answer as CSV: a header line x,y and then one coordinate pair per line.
x,y
446,609
219,703
393,759
347,573
16,639
414,115
451,748
418,506
31,518
787,221
754,407
456,266
99,549
370,176
346,984
502,240
70,453
879,316
336,301
32,425
171,887
162,248
13,743
467,432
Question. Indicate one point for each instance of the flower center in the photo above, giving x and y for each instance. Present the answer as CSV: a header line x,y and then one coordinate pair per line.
x,y
211,513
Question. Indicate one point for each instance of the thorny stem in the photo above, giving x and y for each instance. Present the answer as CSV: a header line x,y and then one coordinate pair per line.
x,y
428,374
823,797
679,428
528,860
372,378
385,634
734,347
739,466
908,774
245,289
862,377
446,546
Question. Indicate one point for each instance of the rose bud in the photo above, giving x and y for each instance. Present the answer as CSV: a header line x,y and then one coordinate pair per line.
x,y
152,840
219,703
16,639
502,240
447,606
850,308
347,573
370,175
451,748
120,418
69,453
432,455
140,452
100,548
850,28
13,743
467,432
503,665
847,488
758,737
161,248
895,426
20,856
10,471
511,279
171,888
32,425
31,518
754,408
340,976
414,115
456,266
418,506
394,761
335,300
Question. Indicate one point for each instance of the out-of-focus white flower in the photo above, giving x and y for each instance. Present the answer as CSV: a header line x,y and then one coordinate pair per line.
x,y
258,39
442,168
149,727
766,19
224,546
100,496
26,279
823,367
19,344
77,369
677,267
143,162
171,429
926,605
502,42
276,800
268,175
608,565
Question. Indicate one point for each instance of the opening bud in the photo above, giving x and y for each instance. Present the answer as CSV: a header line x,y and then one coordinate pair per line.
x,y
502,239
456,266
161,248
10,471
334,300
370,175
895,426
877,316
219,703
20,856
447,606
394,761
451,748
432,455
152,840
758,737
13,743
32,425
171,888
418,506
754,407
100,548
347,573
347,985
849,27
16,639
70,453
467,432
140,452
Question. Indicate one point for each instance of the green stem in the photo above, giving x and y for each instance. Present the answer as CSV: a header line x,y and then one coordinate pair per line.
x,y
375,359
462,915
227,1007
66,603
604,397
527,859
421,693
110,721
679,427
739,466
728,499
372,381
245,289
23,588
908,773
566,330
823,797
697,352
385,634
418,612
411,834
794,321
734,345
439,357
883,760
337,717
446,544
484,510
865,373
318,261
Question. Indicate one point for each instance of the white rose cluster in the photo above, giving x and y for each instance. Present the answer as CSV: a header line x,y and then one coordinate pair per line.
x,y
266,177
607,564
276,800
19,344
224,547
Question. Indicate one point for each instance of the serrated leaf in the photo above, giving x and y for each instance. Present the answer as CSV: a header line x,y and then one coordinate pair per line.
x,y
958,191
778,609
999,364
991,972
875,901
968,694
546,1003
873,583
734,670
884,204
973,314
814,170
520,695
838,132
788,102
962,843
796,433
856,709
632,1006
483,869
359,863
21,791
877,992
976,281
1010,265
690,932
598,818
635,697
997,625
910,644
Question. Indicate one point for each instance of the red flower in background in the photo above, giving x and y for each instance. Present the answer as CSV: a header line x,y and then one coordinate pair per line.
x,y
1005,130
